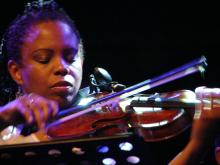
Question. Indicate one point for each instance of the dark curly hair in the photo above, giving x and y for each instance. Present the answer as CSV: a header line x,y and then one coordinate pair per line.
x,y
13,38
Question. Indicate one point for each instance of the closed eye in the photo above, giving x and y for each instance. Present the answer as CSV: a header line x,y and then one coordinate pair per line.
x,y
70,55
43,56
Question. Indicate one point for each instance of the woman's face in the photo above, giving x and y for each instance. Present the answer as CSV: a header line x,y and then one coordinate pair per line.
x,y
51,64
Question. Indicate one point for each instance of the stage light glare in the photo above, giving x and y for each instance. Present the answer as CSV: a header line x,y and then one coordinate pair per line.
x,y
126,146
108,161
133,159
102,149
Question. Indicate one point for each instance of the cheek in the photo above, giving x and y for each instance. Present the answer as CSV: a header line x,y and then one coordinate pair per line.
x,y
33,78
76,72
76,68
27,74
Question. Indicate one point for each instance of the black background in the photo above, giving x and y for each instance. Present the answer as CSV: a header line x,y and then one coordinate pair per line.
x,y
136,40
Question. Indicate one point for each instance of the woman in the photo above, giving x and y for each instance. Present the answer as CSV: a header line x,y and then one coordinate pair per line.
x,y
42,51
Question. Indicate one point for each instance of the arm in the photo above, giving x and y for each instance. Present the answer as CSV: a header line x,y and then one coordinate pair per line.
x,y
191,154
204,127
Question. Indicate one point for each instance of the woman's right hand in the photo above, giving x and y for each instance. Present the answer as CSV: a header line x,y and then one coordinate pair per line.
x,y
29,108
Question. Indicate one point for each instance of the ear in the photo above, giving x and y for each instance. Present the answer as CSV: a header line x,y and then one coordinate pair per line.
x,y
15,71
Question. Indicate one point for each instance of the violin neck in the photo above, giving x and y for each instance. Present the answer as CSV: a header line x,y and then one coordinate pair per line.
x,y
163,103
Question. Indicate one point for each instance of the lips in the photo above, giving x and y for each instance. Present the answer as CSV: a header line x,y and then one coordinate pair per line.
x,y
62,84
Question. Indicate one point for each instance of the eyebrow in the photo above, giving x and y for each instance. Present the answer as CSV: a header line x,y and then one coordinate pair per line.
x,y
42,49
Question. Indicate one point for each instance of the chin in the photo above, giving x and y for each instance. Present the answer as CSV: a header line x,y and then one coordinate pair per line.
x,y
64,103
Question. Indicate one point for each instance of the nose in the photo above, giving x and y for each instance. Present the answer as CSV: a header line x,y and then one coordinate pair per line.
x,y
61,67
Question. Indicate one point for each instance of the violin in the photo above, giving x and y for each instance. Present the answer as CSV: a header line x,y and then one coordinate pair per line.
x,y
143,118
98,118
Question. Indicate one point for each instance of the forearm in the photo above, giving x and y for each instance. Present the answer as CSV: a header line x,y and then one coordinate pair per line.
x,y
192,154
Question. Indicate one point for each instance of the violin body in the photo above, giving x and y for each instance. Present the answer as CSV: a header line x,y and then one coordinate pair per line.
x,y
151,124
86,125
102,121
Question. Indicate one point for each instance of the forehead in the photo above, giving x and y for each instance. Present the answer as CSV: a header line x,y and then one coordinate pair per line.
x,y
49,30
